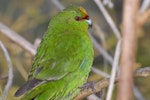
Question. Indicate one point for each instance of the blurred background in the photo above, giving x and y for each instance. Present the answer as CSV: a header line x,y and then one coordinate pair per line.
x,y
30,18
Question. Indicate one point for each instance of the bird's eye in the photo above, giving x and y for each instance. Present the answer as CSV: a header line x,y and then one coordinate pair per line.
x,y
77,18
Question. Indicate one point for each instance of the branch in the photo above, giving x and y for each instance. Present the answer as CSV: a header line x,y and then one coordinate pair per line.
x,y
128,55
58,4
108,18
114,71
143,17
99,72
145,5
109,3
17,39
137,93
10,71
101,50
98,86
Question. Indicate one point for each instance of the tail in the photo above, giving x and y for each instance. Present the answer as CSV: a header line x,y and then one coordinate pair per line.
x,y
27,86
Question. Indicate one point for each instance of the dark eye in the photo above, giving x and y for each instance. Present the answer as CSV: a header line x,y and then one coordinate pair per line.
x,y
77,18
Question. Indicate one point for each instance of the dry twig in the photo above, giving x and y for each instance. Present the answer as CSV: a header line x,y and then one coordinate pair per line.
x,y
10,71
108,18
58,4
17,39
114,70
99,72
145,5
101,50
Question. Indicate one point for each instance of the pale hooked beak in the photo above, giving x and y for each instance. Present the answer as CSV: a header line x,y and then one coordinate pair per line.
x,y
89,23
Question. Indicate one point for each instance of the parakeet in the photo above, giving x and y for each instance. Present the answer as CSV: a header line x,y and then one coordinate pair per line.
x,y
63,59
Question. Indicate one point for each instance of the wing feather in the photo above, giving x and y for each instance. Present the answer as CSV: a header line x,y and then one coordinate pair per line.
x,y
58,57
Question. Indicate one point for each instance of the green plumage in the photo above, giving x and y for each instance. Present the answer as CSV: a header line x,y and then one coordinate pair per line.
x,y
63,59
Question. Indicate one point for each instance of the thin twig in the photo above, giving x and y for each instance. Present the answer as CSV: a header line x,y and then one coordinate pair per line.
x,y
109,3
114,70
58,4
144,6
17,39
108,18
101,50
99,72
10,71
98,86
99,33
137,93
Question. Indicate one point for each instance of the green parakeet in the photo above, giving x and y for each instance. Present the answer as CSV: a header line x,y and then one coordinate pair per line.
x,y
63,59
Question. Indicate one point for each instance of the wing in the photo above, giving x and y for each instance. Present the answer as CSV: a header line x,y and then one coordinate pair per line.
x,y
59,56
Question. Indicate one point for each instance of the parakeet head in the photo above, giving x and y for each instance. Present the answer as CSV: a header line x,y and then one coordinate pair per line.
x,y
80,14
83,16
73,17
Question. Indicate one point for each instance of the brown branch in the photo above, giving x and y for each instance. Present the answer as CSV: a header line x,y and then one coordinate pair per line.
x,y
128,54
142,72
98,86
